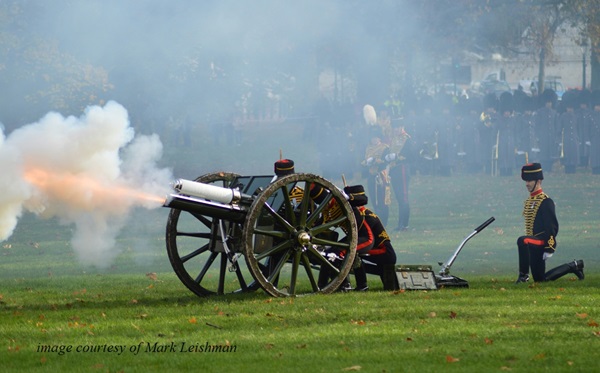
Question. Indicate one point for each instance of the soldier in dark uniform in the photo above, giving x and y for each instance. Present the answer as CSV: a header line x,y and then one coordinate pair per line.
x,y
400,155
544,132
424,136
487,134
376,168
374,247
444,125
569,139
541,228
524,108
505,128
583,111
469,136
594,133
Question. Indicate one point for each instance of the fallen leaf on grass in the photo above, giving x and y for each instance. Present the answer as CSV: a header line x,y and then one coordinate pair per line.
x,y
354,367
488,341
593,324
582,315
193,320
357,322
80,292
152,276
450,359
452,314
14,349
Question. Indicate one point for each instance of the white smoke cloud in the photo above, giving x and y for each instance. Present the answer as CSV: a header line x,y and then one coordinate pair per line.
x,y
88,171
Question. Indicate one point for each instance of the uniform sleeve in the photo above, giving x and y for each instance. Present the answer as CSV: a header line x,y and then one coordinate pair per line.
x,y
549,224
365,233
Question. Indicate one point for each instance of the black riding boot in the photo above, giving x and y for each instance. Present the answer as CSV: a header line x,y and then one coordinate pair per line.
x,y
575,267
360,275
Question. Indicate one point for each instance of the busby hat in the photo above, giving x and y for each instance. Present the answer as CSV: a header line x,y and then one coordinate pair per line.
x,y
549,95
506,102
317,193
284,167
531,172
595,98
490,101
356,195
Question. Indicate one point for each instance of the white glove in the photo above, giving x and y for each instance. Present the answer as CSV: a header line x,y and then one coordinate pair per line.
x,y
547,255
370,161
390,157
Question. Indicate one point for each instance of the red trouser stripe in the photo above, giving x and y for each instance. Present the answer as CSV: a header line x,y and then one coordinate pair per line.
x,y
533,241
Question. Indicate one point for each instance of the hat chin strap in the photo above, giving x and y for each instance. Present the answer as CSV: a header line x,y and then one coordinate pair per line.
x,y
534,186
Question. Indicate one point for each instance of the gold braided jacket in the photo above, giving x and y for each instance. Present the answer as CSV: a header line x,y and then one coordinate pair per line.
x,y
531,207
530,210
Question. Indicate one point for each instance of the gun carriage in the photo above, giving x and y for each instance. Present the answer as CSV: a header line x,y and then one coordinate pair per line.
x,y
230,233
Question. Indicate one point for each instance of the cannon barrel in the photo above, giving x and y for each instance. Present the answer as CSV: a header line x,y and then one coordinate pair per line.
x,y
210,192
210,200
234,213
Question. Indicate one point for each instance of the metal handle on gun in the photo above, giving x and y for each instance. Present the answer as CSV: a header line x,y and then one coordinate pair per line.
x,y
446,267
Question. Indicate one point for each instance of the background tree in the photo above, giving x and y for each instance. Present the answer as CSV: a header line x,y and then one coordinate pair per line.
x,y
585,16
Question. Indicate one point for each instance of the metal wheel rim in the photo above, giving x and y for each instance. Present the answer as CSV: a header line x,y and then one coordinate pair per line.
x,y
193,266
296,239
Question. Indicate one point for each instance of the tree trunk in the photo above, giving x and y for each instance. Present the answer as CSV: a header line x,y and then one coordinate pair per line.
x,y
542,71
595,71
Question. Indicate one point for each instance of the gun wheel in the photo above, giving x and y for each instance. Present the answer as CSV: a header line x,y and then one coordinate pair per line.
x,y
196,249
295,246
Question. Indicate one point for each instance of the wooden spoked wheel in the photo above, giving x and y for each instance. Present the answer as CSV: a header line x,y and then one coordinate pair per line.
x,y
198,247
296,246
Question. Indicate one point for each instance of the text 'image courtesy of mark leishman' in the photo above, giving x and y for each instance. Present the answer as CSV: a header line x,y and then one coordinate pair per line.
x,y
142,347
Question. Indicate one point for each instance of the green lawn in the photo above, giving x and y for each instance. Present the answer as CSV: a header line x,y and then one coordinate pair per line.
x,y
49,302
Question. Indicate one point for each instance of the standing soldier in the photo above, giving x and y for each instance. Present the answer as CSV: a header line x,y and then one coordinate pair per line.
x,y
444,126
399,157
470,142
424,136
376,167
487,134
583,126
505,135
594,137
523,128
569,141
544,133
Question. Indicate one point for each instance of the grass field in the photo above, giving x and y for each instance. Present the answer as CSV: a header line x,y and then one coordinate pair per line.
x,y
135,316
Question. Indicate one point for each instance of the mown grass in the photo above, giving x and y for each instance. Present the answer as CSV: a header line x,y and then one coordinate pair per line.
x,y
494,325
48,298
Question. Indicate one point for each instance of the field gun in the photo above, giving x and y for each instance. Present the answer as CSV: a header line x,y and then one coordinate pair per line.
x,y
230,233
